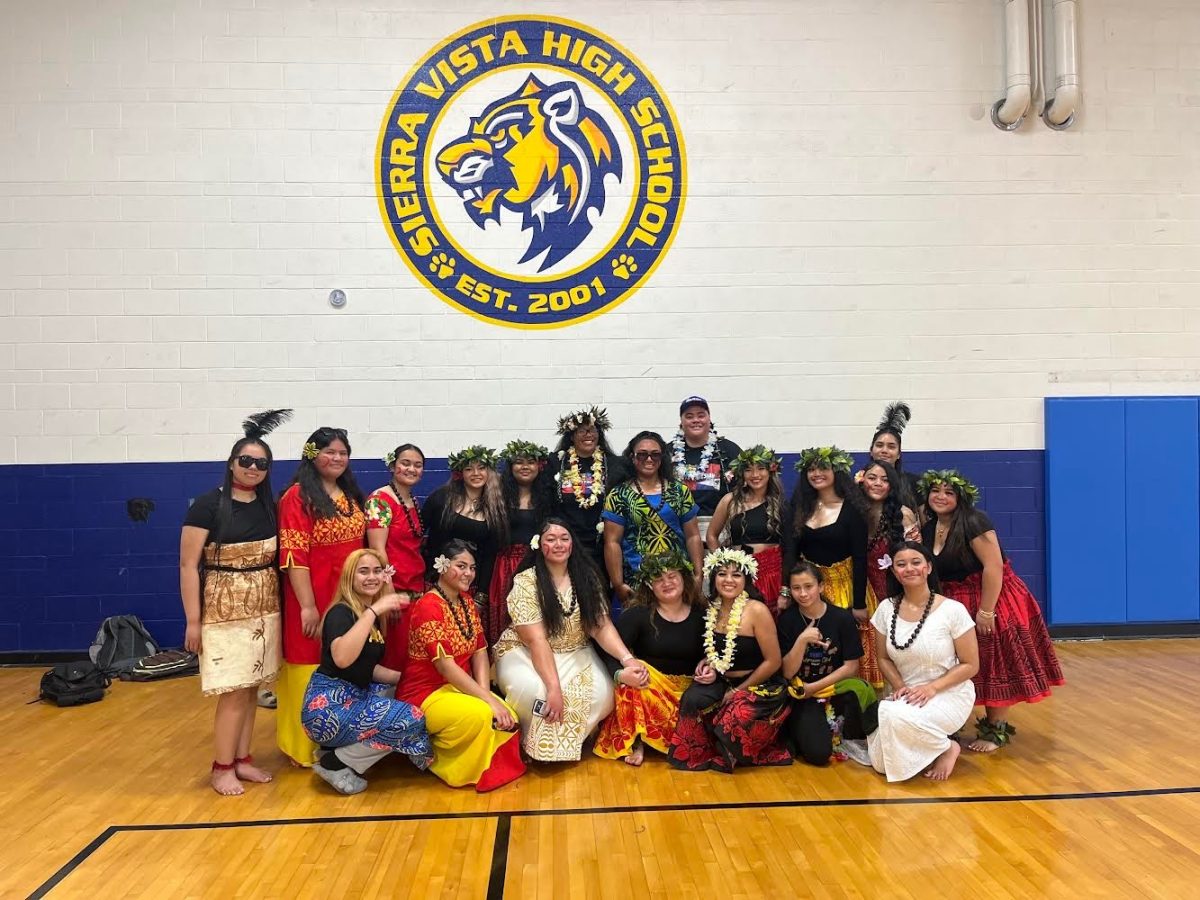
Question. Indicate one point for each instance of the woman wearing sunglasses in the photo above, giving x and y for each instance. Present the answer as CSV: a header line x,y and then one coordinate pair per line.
x,y
648,514
321,522
230,592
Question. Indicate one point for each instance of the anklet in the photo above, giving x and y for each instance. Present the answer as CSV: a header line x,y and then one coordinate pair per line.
x,y
223,767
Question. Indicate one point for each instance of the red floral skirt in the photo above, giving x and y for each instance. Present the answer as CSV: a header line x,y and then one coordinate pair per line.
x,y
507,561
718,735
770,576
1017,662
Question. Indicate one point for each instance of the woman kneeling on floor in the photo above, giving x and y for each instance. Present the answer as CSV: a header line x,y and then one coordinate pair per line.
x,y
545,664
348,708
663,626
471,729
821,652
926,646
735,720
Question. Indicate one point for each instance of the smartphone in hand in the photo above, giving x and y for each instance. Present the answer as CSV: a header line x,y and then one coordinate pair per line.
x,y
539,707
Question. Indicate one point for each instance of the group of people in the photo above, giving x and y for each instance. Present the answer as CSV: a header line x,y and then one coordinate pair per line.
x,y
669,597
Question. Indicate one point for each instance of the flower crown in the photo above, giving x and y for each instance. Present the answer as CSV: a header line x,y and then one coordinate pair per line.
x,y
519,449
592,416
758,455
825,458
730,556
961,486
476,453
672,560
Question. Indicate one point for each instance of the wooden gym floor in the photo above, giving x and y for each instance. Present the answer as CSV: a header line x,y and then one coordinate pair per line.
x,y
1099,796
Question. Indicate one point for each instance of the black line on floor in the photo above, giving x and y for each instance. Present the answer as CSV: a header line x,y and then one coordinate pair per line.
x,y
672,807
50,883
495,890
505,817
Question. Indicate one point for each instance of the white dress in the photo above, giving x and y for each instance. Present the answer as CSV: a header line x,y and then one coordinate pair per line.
x,y
587,688
909,737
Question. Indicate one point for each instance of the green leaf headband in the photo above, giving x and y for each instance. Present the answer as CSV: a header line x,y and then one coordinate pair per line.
x,y
672,560
758,455
825,458
476,453
519,449
961,486
592,416
729,556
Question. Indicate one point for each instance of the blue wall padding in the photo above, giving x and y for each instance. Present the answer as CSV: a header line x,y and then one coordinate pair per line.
x,y
1162,509
69,554
1085,509
1123,509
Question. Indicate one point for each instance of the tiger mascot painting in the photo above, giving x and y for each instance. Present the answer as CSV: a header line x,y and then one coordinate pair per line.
x,y
540,152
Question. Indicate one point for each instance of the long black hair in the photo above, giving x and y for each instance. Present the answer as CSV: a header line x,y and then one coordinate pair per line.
x,y
312,490
891,516
894,588
255,428
666,467
543,493
585,582
804,497
965,522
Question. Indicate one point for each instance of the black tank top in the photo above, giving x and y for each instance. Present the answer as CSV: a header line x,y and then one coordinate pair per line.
x,y
747,655
751,527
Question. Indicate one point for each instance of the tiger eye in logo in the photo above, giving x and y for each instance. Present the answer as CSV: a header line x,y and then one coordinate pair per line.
x,y
531,172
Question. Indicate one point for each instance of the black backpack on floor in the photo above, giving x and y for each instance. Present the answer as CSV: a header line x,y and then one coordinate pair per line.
x,y
120,644
73,684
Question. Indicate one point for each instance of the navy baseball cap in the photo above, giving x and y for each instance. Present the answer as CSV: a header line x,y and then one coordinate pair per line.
x,y
693,401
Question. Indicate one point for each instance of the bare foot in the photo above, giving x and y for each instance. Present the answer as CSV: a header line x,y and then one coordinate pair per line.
x,y
944,764
248,772
225,781
636,755
979,745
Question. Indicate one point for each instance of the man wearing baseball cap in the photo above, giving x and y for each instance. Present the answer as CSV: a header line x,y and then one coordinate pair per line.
x,y
701,457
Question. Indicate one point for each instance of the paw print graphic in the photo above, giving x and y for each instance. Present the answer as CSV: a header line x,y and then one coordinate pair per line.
x,y
442,265
624,266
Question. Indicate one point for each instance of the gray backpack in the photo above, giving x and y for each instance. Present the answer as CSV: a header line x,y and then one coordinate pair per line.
x,y
120,643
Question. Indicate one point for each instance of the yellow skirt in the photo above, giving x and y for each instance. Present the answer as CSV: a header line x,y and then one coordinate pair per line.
x,y
289,733
838,589
464,742
649,713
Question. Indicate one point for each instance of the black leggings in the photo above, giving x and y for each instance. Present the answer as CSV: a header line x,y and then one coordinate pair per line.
x,y
808,730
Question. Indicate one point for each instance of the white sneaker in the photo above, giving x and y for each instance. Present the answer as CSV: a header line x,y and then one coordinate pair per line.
x,y
344,781
857,751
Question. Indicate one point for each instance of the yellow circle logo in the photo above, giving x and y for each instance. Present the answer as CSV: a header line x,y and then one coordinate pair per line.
x,y
531,172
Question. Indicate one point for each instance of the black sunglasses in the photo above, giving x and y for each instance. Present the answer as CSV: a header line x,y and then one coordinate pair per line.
x,y
254,462
644,455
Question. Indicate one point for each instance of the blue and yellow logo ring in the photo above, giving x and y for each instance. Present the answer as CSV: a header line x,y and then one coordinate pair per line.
x,y
539,164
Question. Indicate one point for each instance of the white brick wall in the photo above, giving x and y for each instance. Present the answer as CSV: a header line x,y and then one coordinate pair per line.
x,y
182,184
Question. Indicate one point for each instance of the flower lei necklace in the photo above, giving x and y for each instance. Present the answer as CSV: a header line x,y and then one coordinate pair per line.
x,y
586,499
724,662
697,474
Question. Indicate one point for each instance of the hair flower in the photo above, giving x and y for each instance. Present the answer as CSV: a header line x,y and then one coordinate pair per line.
x,y
390,458
885,561
729,556
535,542
441,565
310,450
389,570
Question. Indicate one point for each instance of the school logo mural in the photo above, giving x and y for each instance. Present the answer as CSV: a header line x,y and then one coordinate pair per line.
x,y
531,172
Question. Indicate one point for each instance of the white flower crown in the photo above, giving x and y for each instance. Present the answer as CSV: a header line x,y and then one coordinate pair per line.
x,y
728,556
